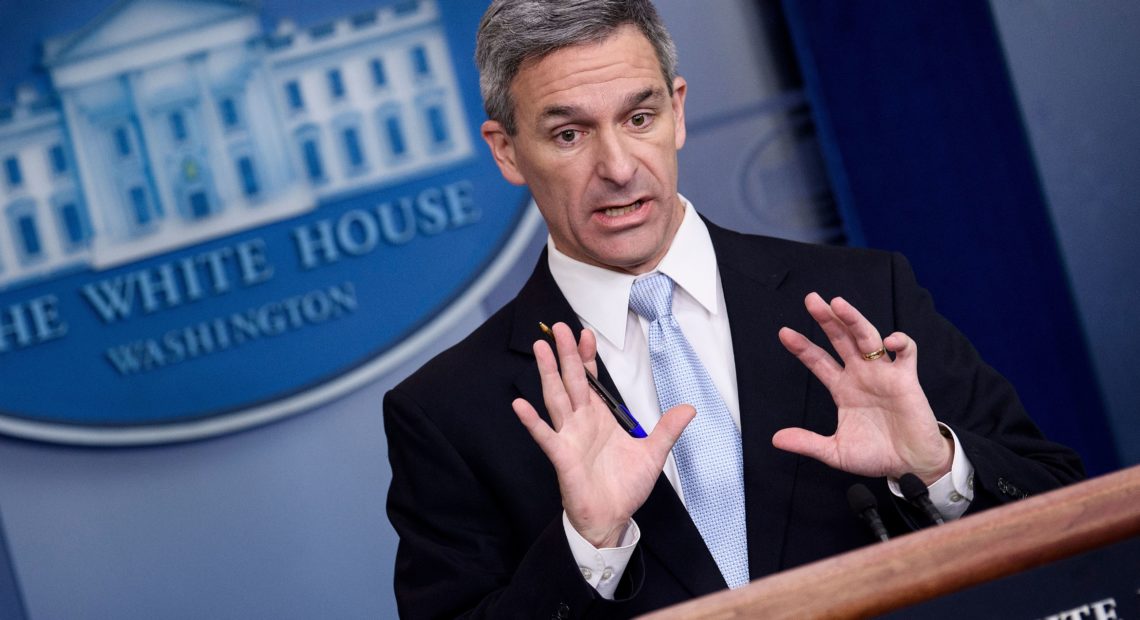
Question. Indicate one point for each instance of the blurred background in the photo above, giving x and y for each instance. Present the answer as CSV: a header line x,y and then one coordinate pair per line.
x,y
315,170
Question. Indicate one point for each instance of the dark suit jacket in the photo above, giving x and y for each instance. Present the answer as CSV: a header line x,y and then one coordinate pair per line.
x,y
477,506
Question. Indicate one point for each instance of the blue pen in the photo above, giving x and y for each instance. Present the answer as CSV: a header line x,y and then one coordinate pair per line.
x,y
620,412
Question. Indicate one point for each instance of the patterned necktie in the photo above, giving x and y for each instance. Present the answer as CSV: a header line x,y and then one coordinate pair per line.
x,y
708,454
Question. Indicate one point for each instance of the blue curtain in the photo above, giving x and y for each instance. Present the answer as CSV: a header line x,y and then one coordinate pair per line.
x,y
927,155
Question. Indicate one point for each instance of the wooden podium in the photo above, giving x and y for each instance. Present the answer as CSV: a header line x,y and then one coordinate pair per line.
x,y
939,561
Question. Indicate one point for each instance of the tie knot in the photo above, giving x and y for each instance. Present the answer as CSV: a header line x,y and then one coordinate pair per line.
x,y
652,297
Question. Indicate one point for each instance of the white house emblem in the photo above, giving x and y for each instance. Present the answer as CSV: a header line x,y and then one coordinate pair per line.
x,y
205,226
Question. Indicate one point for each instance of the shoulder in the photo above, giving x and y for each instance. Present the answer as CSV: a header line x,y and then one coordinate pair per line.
x,y
879,283
763,254
480,358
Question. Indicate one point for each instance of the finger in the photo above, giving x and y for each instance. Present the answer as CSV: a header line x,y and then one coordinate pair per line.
x,y
905,349
807,443
669,428
818,361
553,391
573,376
539,430
588,350
867,338
835,330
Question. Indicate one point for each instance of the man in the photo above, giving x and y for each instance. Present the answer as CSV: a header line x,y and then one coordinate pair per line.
x,y
565,514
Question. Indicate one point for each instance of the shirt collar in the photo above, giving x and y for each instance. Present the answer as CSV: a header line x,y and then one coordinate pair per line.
x,y
600,297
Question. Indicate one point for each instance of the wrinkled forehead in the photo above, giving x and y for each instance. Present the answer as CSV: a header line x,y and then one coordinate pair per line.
x,y
611,71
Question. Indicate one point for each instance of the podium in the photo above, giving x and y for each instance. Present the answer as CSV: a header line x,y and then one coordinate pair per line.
x,y
1017,539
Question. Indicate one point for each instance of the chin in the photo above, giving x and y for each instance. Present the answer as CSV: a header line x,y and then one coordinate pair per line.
x,y
635,264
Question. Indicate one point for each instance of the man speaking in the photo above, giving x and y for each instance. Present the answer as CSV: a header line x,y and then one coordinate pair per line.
x,y
524,488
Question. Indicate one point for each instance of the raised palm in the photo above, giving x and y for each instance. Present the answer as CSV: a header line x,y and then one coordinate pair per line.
x,y
885,425
604,474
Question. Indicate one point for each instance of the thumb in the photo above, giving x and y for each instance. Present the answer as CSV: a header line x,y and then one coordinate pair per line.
x,y
670,427
904,348
806,443
539,430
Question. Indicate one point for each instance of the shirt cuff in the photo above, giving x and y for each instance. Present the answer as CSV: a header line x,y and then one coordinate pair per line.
x,y
602,568
952,493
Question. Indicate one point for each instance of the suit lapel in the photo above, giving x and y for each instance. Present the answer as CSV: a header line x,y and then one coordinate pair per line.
x,y
539,300
668,533
772,385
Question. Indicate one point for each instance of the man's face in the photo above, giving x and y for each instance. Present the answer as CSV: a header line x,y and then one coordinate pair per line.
x,y
597,144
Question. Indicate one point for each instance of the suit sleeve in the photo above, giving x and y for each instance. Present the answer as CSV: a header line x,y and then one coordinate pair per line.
x,y
458,556
1010,455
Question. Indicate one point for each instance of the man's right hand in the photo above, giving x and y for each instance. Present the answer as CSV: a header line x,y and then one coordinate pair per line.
x,y
604,474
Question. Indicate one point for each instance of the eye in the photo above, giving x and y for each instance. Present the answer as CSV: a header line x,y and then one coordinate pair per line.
x,y
568,137
641,120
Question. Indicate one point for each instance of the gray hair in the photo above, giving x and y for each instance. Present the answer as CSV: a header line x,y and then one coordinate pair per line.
x,y
513,32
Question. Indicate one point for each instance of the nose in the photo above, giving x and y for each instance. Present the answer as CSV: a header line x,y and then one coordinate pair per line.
x,y
616,162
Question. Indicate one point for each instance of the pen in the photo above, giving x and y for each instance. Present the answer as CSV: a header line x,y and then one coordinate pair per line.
x,y
619,411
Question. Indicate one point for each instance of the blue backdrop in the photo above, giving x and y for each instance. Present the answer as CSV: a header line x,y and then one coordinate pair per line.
x,y
927,154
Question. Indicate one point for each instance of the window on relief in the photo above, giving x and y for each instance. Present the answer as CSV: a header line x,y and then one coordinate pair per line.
x,y
25,231
379,74
139,204
313,164
73,226
121,136
293,96
178,126
199,204
247,174
336,84
57,159
228,112
438,131
12,172
353,150
29,236
308,142
420,65
392,135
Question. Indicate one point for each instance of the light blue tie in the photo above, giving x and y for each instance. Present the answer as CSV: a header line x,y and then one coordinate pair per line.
x,y
708,453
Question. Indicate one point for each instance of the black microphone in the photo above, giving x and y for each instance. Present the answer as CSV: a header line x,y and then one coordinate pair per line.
x,y
916,493
864,505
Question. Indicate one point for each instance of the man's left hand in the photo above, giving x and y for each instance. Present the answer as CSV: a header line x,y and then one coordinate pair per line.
x,y
886,426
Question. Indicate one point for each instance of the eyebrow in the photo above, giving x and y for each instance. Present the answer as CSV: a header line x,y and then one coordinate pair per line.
x,y
570,111
638,98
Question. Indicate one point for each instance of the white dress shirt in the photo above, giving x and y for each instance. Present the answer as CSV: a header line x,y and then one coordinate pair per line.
x,y
600,299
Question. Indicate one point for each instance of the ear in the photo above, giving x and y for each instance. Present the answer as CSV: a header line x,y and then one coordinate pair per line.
x,y
680,88
503,150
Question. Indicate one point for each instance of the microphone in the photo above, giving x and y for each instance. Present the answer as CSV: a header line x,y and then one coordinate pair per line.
x,y
917,494
864,505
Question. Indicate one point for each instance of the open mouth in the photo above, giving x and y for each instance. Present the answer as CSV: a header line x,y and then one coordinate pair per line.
x,y
620,211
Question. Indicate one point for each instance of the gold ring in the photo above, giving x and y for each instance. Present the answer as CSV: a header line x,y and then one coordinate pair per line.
x,y
874,355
